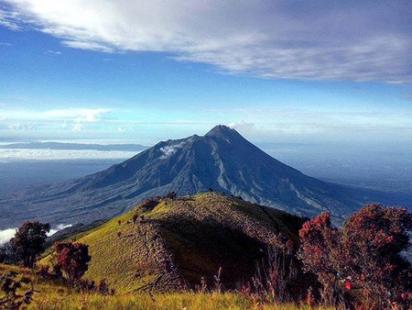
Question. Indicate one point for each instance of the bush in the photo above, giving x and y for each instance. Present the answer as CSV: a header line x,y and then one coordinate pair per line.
x,y
10,284
362,262
73,259
171,195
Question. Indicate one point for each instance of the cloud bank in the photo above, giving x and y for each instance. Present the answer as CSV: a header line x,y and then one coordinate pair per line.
x,y
306,40
12,155
7,234
74,119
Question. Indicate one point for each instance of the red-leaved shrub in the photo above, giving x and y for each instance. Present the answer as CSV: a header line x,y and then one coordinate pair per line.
x,y
73,259
361,263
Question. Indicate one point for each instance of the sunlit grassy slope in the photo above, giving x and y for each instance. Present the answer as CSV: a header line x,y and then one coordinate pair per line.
x,y
175,242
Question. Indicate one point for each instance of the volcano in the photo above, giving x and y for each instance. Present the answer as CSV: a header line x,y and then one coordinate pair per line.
x,y
220,161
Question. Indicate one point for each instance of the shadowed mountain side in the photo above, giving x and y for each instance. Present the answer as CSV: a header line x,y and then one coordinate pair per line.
x,y
221,160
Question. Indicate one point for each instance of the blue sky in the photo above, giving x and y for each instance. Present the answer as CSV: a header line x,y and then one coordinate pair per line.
x,y
278,71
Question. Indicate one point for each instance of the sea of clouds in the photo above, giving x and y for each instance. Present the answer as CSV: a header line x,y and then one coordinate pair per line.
x,y
7,155
7,234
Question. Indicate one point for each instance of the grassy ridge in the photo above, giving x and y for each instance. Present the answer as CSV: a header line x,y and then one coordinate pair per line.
x,y
195,234
178,241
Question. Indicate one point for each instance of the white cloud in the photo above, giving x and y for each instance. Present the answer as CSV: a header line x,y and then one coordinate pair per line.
x,y
76,114
79,115
88,46
57,228
169,150
77,127
52,52
243,126
274,39
29,120
11,155
9,19
6,235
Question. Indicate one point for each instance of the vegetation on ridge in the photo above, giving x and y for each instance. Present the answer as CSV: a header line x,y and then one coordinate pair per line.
x,y
179,252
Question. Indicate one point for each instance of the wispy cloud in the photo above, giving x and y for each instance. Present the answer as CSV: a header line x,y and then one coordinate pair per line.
x,y
75,114
74,120
52,52
315,40
13,155
9,19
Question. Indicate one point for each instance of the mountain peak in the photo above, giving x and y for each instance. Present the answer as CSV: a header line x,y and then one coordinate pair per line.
x,y
221,131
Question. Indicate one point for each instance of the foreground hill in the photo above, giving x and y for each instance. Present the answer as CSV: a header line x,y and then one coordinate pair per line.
x,y
171,244
222,160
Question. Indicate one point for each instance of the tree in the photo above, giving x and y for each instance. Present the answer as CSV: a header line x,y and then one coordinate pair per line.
x,y
29,241
364,254
73,259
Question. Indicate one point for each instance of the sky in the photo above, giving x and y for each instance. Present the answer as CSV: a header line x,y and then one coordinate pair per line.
x,y
142,71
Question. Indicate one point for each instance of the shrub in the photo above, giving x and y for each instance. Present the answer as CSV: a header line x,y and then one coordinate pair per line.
x,y
373,239
319,251
363,257
10,284
171,195
73,259
43,272
29,241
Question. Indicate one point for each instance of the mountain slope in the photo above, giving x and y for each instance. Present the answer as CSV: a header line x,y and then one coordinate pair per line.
x,y
173,243
221,160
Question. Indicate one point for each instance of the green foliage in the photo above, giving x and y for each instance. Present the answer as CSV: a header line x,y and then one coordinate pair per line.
x,y
29,241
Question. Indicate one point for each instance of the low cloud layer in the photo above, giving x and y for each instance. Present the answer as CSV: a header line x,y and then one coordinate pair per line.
x,y
11,155
58,228
315,40
7,234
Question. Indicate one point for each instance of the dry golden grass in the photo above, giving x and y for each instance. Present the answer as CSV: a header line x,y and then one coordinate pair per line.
x,y
170,301
54,296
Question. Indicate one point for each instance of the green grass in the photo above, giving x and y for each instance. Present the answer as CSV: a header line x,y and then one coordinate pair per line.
x,y
130,255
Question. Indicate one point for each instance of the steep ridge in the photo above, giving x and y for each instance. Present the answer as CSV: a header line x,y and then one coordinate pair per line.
x,y
170,244
221,160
